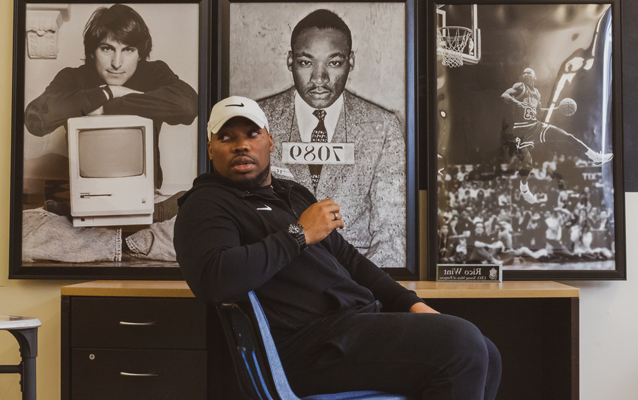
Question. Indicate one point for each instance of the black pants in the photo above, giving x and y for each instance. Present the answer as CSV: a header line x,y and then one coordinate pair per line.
x,y
429,356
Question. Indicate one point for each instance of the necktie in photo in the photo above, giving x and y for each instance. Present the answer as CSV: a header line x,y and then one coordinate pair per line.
x,y
319,134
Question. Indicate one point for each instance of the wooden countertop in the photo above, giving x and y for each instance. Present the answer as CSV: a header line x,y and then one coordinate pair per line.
x,y
424,289
509,289
129,289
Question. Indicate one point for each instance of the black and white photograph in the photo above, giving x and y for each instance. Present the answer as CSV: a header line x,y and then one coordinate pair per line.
x,y
108,137
528,145
333,80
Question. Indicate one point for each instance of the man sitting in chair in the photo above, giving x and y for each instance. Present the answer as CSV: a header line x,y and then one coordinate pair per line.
x,y
240,229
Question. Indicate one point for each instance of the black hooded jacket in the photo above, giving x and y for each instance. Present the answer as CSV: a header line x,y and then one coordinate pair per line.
x,y
229,242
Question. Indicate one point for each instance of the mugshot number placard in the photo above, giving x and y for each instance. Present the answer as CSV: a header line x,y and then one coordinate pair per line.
x,y
317,153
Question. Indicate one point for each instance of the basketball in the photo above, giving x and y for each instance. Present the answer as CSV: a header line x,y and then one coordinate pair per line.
x,y
567,107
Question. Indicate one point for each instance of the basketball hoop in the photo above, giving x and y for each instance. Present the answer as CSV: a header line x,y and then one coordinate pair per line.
x,y
450,43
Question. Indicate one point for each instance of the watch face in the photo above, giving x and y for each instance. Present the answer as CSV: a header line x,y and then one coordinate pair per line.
x,y
294,229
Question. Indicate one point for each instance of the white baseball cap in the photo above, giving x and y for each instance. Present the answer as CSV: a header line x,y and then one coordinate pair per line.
x,y
235,106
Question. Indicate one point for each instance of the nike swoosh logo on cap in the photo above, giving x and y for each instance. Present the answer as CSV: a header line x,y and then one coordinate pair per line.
x,y
235,105
265,208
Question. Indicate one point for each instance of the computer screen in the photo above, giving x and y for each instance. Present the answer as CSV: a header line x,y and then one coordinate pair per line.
x,y
111,152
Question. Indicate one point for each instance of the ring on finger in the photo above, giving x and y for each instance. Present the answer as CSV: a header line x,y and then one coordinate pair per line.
x,y
336,216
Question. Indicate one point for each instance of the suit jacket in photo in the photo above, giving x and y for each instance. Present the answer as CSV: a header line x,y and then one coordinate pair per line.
x,y
371,193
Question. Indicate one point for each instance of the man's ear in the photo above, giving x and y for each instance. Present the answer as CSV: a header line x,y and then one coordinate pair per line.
x,y
272,143
289,60
209,146
351,60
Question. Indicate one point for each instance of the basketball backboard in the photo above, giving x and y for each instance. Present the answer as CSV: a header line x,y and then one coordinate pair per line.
x,y
459,19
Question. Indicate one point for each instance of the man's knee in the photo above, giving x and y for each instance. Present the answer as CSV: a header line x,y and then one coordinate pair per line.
x,y
469,345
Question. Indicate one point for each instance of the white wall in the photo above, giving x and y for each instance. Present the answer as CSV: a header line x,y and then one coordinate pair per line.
x,y
609,327
608,317
608,332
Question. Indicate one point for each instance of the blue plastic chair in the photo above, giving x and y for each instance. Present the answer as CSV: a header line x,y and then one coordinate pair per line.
x,y
259,371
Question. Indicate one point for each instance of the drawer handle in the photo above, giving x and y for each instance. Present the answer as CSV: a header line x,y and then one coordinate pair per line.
x,y
137,323
132,374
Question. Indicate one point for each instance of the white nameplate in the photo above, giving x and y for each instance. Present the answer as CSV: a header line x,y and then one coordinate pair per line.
x,y
469,273
317,153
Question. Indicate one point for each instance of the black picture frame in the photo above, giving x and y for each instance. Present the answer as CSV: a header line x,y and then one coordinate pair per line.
x,y
203,21
413,119
499,60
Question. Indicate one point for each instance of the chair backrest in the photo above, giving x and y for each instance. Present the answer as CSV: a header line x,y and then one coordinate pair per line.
x,y
257,364
259,371
279,376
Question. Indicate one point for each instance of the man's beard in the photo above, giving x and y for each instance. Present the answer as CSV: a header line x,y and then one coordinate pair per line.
x,y
256,182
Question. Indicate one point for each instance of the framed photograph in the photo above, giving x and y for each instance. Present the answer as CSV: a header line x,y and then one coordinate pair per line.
x,y
525,156
630,97
337,83
109,128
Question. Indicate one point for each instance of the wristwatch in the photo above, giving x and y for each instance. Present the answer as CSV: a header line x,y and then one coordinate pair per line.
x,y
107,91
296,231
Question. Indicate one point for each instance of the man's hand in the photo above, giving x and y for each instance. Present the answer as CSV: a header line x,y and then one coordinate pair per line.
x,y
423,308
319,220
120,91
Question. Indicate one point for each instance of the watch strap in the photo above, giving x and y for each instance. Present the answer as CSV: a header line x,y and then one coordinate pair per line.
x,y
296,230
108,91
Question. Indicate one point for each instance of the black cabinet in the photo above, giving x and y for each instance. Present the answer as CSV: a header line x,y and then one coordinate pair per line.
x,y
152,340
134,348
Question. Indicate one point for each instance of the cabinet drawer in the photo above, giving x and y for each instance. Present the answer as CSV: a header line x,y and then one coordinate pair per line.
x,y
140,323
98,374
